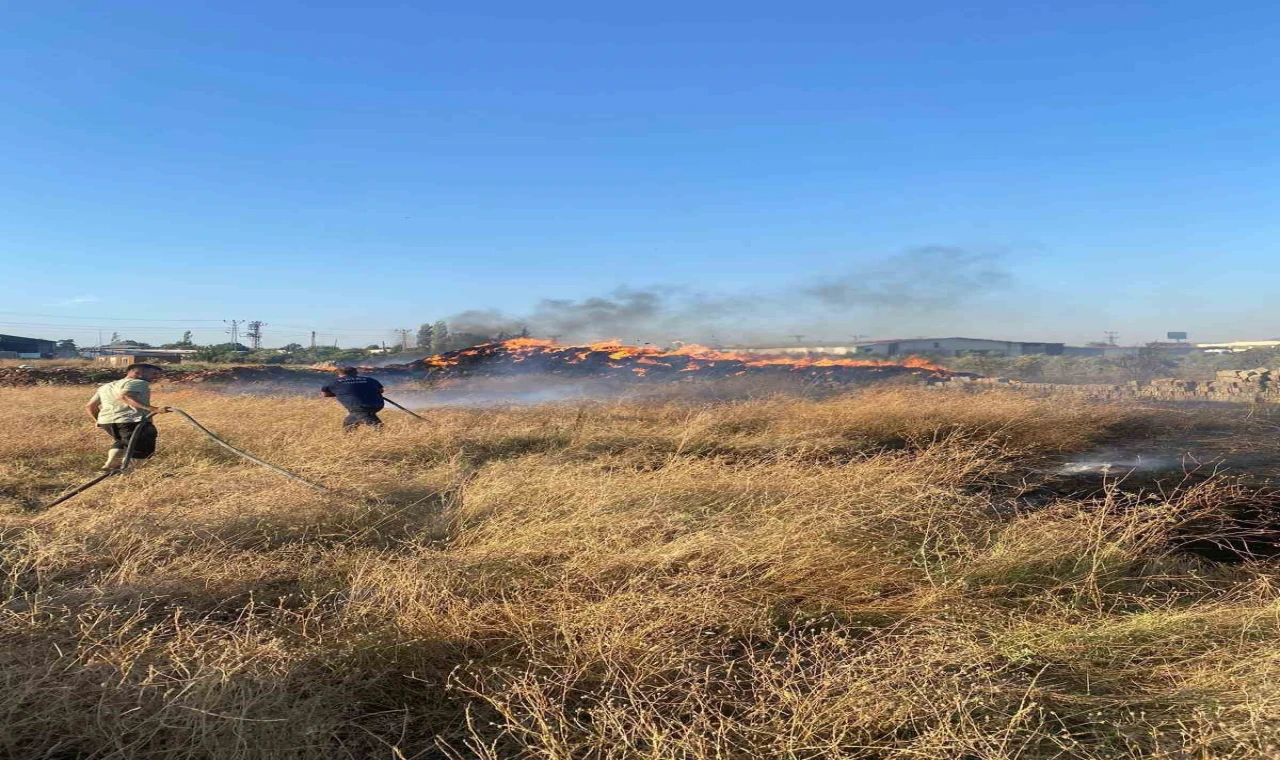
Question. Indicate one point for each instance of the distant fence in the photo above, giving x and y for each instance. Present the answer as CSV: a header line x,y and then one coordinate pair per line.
x,y
1241,386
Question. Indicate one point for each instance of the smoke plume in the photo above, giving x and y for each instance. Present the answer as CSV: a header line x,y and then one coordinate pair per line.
x,y
928,277
919,282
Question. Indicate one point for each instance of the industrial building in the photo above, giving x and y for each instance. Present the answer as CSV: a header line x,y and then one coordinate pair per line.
x,y
15,347
954,347
123,357
1237,346
910,346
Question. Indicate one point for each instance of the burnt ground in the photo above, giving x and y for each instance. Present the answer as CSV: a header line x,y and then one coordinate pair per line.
x,y
1231,447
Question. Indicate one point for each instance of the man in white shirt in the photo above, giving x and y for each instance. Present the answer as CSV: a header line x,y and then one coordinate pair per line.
x,y
123,406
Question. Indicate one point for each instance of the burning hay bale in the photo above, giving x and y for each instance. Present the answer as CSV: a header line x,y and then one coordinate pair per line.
x,y
528,358
611,360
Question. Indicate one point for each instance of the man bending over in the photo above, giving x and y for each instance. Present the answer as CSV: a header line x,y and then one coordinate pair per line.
x,y
123,406
362,397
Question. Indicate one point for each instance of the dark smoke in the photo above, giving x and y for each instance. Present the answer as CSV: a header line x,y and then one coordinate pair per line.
x,y
485,322
919,280
928,277
626,310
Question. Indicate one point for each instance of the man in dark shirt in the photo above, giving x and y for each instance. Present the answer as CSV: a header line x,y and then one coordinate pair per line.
x,y
362,397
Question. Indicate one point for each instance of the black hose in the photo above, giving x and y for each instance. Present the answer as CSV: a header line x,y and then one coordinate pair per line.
x,y
240,453
133,441
401,408
128,457
82,488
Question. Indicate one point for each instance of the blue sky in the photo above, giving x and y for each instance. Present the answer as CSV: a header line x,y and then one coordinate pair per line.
x,y
353,169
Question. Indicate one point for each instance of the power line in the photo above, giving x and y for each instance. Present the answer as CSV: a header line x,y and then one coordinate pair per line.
x,y
103,319
85,317
234,329
154,328
255,333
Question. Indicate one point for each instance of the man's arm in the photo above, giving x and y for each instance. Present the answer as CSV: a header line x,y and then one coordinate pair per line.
x,y
93,407
327,393
132,400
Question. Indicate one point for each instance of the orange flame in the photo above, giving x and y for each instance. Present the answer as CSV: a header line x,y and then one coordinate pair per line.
x,y
520,349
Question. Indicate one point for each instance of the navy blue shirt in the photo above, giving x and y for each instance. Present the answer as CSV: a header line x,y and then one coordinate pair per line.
x,y
356,393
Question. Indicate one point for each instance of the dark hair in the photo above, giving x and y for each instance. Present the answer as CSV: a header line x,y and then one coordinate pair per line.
x,y
347,371
132,367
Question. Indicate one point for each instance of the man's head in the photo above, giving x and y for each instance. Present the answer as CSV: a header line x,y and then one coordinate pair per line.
x,y
345,371
148,372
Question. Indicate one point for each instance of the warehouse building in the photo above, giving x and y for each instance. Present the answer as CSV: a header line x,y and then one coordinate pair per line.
x,y
16,347
910,346
123,357
954,347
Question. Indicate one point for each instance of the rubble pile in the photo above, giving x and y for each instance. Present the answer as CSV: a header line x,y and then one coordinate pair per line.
x,y
1237,385
90,375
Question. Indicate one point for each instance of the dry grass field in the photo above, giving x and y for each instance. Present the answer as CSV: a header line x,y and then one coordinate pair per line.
x,y
776,578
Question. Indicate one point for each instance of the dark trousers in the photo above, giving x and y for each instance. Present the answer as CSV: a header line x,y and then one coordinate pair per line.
x,y
361,416
120,433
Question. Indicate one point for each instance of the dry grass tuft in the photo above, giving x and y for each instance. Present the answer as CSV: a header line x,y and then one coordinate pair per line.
x,y
767,578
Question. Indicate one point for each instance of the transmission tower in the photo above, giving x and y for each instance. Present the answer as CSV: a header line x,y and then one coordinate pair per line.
x,y
1111,336
799,339
404,337
254,333
233,328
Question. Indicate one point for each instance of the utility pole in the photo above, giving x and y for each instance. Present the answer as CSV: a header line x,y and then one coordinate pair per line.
x,y
313,340
799,339
404,337
254,333
234,329
1111,336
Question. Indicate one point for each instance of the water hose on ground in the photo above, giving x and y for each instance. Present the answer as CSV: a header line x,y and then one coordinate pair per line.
x,y
128,457
133,439
240,453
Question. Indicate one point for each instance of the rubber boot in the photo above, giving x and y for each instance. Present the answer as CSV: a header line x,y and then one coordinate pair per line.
x,y
115,458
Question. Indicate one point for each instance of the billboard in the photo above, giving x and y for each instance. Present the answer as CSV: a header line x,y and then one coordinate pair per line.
x,y
1176,336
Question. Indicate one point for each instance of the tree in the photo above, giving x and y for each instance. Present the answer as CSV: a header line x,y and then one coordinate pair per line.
x,y
459,341
1145,363
184,343
372,347
67,344
439,337
222,352
291,347
424,336
990,365
1029,367
115,336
